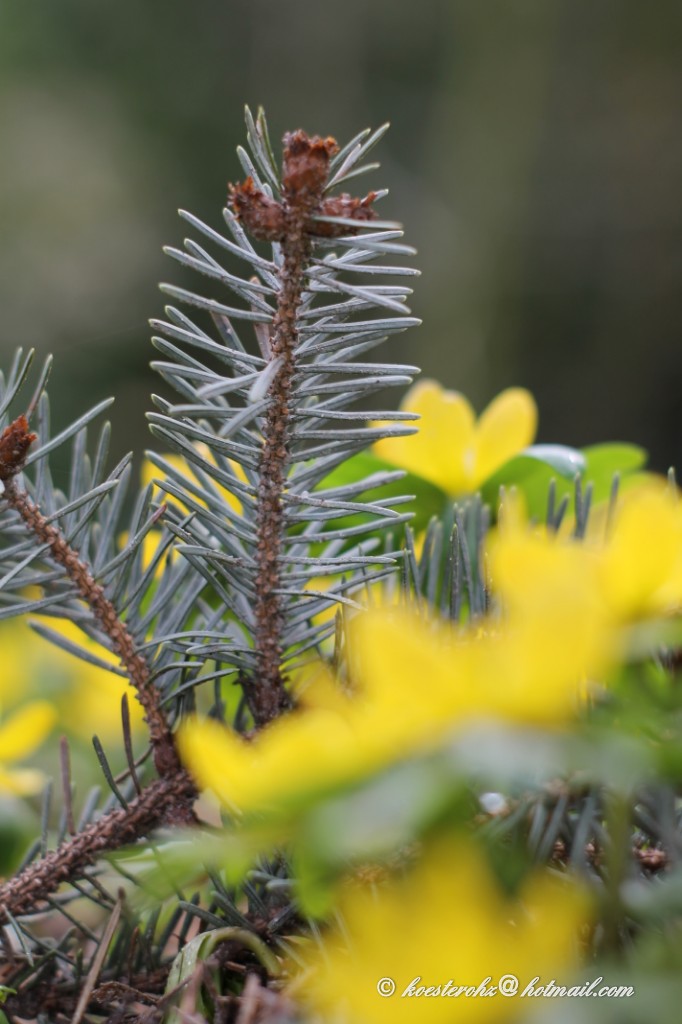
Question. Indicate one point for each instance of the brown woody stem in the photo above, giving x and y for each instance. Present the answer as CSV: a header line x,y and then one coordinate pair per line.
x,y
293,222
268,697
306,164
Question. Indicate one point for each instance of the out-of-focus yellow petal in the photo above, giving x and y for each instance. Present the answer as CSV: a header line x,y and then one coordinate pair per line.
x,y
524,561
19,662
25,730
531,669
642,553
390,930
95,705
21,781
303,752
393,649
506,427
558,629
315,687
90,696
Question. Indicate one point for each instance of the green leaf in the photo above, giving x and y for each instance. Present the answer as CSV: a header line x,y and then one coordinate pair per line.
x,y
202,946
563,460
4,992
429,500
605,460
531,473
385,812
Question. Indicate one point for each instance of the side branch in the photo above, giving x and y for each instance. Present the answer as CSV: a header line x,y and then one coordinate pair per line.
x,y
164,802
165,756
14,444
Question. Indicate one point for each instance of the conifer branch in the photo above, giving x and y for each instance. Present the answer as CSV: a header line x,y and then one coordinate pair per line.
x,y
167,800
15,442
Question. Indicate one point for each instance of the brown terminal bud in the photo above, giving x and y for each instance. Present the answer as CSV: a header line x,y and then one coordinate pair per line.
x,y
261,216
15,441
306,164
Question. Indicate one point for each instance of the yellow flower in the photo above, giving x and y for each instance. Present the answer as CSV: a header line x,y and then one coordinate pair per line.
x,y
20,661
528,668
87,697
630,559
20,735
419,681
446,921
452,449
92,699
556,618
641,561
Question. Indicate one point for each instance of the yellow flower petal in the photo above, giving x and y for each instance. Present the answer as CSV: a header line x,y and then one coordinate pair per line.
x,y
25,730
301,753
506,427
454,451
21,781
92,699
19,663
531,669
558,628
643,553
442,451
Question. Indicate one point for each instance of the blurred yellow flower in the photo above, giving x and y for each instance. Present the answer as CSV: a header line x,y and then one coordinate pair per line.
x,y
641,561
528,667
454,450
630,559
417,681
312,749
86,697
21,734
92,701
561,634
444,925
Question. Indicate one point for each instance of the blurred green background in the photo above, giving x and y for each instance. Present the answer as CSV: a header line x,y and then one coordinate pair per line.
x,y
535,158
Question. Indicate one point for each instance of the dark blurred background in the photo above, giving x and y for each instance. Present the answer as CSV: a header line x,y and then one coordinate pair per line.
x,y
535,158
